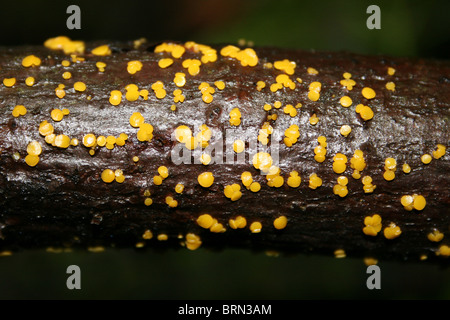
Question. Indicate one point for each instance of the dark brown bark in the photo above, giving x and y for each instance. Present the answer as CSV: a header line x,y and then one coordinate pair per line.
x,y
63,202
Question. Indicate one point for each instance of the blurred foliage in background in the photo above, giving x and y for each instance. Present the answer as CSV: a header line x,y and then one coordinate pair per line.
x,y
408,28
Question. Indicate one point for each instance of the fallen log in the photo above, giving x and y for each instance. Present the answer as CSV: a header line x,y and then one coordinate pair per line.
x,y
186,145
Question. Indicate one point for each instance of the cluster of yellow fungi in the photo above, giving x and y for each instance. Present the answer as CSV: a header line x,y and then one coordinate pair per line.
x,y
170,57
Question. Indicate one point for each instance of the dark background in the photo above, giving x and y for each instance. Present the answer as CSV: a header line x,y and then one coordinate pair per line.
x,y
409,28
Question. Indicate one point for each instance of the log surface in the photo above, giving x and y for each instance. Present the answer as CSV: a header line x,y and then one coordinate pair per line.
x,y
63,202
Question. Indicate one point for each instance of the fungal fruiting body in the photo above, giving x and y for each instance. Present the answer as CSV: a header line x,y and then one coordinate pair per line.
x,y
314,91
108,175
339,163
291,135
340,188
206,179
435,236
390,166
346,101
238,223
205,221
368,93
340,253
368,187
294,180
372,225
255,227
31,61
102,50
262,161
439,152
193,241
345,130
280,222
314,181
235,117
415,201
19,110
392,231
365,112
321,150
233,192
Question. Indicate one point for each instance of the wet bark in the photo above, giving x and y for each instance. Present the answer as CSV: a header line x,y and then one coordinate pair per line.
x,y
63,202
